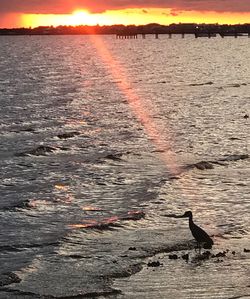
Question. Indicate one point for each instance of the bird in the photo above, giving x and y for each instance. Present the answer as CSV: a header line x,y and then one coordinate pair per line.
x,y
201,237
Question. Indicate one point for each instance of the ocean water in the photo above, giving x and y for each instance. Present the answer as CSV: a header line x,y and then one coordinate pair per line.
x,y
103,142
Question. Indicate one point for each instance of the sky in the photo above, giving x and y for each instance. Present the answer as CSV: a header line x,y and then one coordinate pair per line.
x,y
33,13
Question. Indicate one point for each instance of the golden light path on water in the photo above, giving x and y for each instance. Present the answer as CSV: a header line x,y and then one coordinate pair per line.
x,y
141,108
187,189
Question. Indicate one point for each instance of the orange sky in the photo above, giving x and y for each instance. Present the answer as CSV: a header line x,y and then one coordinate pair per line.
x,y
14,13
131,16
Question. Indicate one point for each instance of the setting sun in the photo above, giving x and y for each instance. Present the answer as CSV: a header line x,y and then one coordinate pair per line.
x,y
78,17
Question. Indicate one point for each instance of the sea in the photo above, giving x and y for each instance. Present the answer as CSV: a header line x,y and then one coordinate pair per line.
x,y
104,143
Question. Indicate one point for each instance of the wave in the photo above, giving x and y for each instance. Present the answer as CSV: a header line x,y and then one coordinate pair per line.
x,y
204,165
68,135
109,223
21,247
31,295
202,84
9,278
41,150
236,85
15,206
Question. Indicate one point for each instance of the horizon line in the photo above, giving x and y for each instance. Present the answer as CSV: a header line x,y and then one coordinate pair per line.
x,y
113,25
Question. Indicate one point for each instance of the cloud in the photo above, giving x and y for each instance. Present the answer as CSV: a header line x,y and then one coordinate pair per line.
x,y
97,6
172,13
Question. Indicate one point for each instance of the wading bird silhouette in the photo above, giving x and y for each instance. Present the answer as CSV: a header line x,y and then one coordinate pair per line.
x,y
201,237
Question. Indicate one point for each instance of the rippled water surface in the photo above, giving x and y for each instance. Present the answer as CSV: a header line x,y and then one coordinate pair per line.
x,y
102,141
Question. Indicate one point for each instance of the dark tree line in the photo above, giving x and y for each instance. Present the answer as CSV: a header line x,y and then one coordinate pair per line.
x,y
154,28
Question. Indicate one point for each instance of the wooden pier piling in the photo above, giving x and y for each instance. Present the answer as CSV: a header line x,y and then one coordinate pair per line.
x,y
126,36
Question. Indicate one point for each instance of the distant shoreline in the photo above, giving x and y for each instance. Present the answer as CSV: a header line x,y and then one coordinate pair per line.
x,y
188,28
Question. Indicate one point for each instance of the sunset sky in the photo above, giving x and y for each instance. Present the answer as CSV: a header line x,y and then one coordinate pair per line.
x,y
33,13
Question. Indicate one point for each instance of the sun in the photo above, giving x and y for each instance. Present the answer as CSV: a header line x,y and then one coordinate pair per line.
x,y
77,17
81,17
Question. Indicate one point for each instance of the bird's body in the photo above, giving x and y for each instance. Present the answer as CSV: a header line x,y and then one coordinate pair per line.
x,y
198,233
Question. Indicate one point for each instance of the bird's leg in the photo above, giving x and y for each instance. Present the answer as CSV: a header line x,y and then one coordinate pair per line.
x,y
199,246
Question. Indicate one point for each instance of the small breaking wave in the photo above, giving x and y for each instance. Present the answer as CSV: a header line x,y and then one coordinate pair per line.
x,y
41,150
21,247
108,292
202,84
16,206
9,278
237,85
109,223
68,135
204,165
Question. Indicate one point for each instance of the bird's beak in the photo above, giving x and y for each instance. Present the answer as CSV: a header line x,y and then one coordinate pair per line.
x,y
182,216
176,216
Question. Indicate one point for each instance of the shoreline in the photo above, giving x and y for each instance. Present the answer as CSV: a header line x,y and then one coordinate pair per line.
x,y
205,276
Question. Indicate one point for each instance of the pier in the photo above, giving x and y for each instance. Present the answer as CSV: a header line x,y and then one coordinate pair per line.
x,y
183,34
183,30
